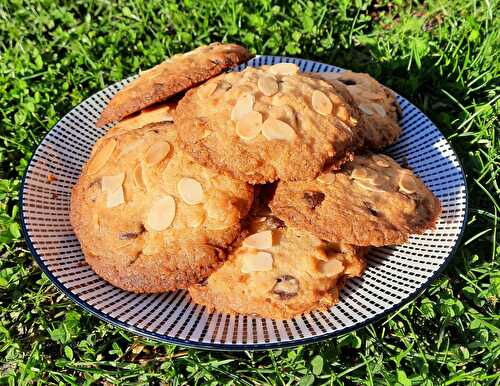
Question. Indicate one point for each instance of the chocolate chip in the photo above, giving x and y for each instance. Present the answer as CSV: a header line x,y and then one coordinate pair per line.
x,y
131,235
128,235
313,198
286,287
348,82
274,222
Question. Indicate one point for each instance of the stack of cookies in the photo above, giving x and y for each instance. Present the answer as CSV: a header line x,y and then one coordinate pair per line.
x,y
258,191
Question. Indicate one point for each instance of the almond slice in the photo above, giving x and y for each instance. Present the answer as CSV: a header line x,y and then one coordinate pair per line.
x,y
342,113
332,267
102,156
321,103
206,90
257,262
157,152
284,69
268,85
249,125
407,183
161,214
378,109
243,106
381,161
112,183
138,177
260,240
368,185
115,197
275,129
365,108
190,191
360,173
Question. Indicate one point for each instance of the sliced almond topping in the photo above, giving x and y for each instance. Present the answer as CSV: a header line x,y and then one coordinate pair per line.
x,y
284,68
275,129
249,126
365,108
407,183
190,191
381,161
342,113
161,214
243,106
321,103
368,185
114,197
138,177
102,156
112,183
257,262
206,90
268,85
378,109
360,173
157,152
260,240
332,267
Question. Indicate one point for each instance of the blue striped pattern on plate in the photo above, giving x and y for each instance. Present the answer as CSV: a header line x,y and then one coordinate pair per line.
x,y
394,276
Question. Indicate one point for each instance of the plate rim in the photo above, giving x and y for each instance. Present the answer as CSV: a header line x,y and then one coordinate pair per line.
x,y
245,346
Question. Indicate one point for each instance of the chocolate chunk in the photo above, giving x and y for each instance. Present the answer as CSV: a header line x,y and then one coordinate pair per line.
x,y
348,82
286,287
131,235
313,198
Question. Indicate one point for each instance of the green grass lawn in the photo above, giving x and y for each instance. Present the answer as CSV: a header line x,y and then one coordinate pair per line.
x,y
442,55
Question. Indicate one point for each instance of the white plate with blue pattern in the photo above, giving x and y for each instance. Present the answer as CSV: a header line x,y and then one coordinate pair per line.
x,y
394,275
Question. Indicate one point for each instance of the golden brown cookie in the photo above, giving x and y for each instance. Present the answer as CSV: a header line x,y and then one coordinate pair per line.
x,y
380,108
148,217
159,112
279,272
371,201
174,75
268,123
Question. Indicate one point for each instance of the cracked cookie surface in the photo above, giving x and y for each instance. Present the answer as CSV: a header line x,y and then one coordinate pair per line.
x,y
268,123
149,218
378,105
174,75
371,201
279,272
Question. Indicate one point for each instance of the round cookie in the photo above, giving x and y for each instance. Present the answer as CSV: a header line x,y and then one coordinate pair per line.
x,y
149,218
380,108
371,201
279,272
174,75
268,123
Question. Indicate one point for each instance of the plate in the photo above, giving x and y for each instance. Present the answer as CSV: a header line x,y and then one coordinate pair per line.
x,y
394,276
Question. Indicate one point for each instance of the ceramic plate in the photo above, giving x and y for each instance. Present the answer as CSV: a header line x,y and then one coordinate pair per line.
x,y
394,276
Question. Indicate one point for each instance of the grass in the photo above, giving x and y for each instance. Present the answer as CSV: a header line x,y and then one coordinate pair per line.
x,y
442,55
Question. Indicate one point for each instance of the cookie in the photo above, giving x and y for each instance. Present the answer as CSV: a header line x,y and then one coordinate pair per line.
x,y
149,218
268,123
159,112
380,108
279,272
371,201
174,75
